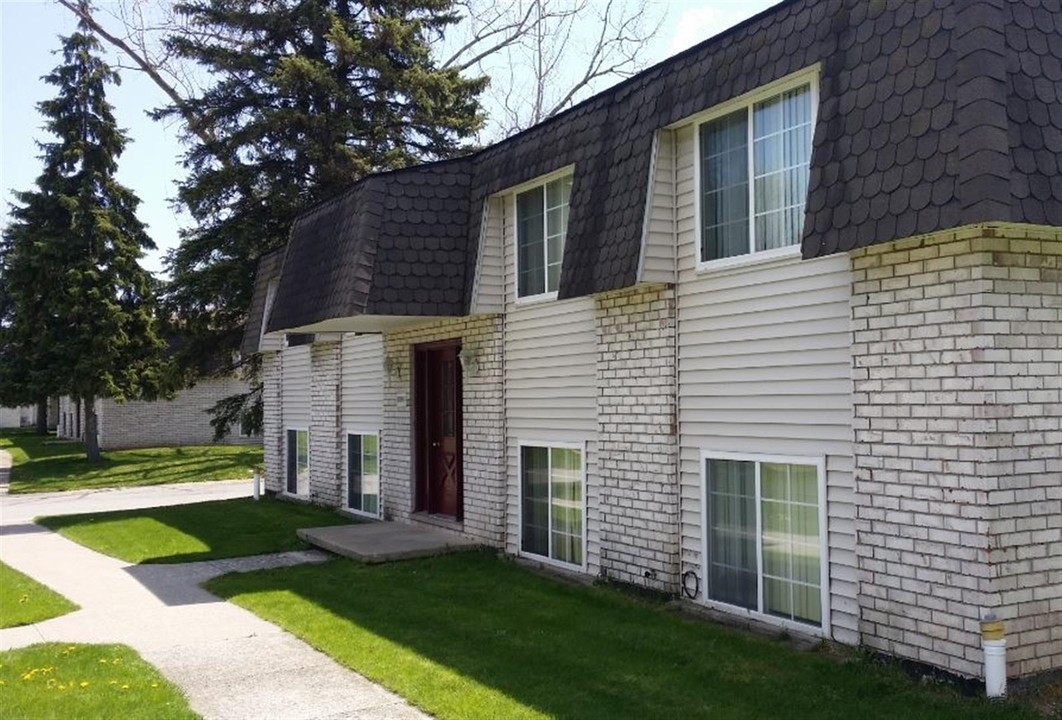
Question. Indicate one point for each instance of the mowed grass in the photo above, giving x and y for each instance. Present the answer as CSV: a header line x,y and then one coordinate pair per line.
x,y
474,636
24,601
200,531
45,464
62,681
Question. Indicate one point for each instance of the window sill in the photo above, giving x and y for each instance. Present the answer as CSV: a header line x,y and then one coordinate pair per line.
x,y
358,514
754,616
740,262
536,299
550,562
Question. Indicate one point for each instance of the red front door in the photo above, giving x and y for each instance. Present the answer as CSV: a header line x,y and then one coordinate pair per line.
x,y
438,412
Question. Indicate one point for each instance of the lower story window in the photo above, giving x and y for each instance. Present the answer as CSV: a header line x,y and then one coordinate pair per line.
x,y
551,501
764,536
363,473
298,451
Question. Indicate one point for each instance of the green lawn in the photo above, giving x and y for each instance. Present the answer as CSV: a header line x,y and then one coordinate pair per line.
x,y
45,464
60,681
201,531
24,601
473,636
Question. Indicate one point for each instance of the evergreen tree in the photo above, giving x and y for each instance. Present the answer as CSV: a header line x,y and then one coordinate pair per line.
x,y
82,307
310,96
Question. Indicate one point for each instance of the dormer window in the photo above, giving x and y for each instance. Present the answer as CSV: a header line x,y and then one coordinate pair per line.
x,y
754,166
541,227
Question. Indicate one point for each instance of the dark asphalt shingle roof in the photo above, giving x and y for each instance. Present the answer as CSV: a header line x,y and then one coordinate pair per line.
x,y
932,114
269,267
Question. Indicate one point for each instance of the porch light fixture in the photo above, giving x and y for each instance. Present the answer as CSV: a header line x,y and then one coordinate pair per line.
x,y
469,357
393,368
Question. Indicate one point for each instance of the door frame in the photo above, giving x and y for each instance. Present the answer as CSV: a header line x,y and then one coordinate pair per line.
x,y
418,430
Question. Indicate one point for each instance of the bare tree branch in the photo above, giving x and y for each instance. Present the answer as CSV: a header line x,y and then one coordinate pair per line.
x,y
138,55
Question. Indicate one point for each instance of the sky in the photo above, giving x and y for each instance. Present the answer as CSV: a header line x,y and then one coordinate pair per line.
x,y
151,165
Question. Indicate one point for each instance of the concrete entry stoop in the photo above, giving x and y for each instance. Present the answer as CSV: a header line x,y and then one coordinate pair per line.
x,y
380,542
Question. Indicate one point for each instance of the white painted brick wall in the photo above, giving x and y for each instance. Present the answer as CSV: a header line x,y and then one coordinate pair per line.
x,y
957,369
637,443
184,420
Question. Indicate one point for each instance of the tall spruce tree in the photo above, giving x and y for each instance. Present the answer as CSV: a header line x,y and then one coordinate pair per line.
x,y
310,96
82,307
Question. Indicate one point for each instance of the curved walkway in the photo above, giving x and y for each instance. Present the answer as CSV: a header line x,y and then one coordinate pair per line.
x,y
229,662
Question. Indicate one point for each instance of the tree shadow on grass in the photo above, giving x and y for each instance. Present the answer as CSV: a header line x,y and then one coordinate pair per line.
x,y
472,636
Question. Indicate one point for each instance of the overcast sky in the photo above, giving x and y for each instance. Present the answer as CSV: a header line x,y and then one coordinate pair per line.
x,y
29,31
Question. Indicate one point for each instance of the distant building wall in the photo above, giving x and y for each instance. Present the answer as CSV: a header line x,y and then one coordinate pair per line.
x,y
184,420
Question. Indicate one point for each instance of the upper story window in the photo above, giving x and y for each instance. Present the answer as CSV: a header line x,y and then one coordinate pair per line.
x,y
754,174
541,227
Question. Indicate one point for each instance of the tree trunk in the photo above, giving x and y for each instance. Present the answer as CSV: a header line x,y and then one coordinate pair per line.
x,y
92,441
42,417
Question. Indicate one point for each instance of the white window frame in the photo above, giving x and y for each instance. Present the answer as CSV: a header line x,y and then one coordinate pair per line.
x,y
765,92
514,224
824,552
287,453
545,559
346,477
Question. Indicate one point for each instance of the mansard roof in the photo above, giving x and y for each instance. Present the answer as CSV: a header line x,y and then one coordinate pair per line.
x,y
932,114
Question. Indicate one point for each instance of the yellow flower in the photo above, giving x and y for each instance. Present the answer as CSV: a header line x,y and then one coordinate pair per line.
x,y
125,687
2,682
154,684
84,683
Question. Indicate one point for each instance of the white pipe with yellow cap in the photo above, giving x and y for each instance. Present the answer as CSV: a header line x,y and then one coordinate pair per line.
x,y
994,644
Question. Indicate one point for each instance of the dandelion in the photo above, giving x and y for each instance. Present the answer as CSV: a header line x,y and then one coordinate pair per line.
x,y
125,687
84,683
154,684
2,682
104,661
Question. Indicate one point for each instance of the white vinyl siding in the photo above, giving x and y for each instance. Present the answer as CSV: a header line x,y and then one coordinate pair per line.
x,y
362,375
764,368
550,388
489,287
658,253
295,386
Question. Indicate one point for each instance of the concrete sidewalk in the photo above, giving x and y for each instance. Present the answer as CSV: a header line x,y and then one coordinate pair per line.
x,y
26,506
229,663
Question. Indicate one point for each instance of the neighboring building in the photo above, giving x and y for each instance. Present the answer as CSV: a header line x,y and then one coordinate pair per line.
x,y
17,417
184,420
775,324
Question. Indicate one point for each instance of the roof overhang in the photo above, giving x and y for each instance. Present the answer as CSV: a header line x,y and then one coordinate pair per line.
x,y
363,324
